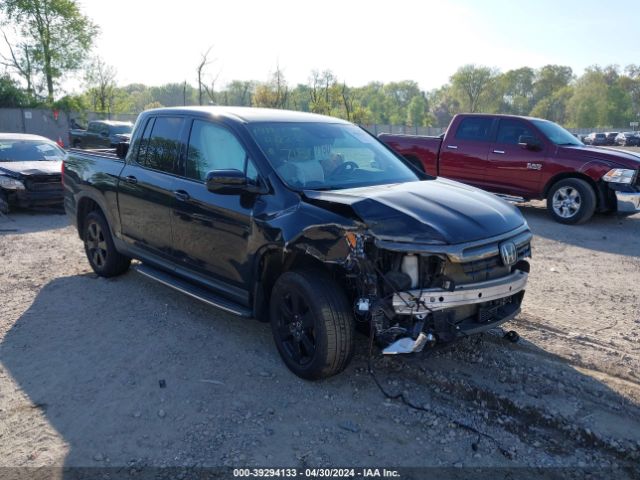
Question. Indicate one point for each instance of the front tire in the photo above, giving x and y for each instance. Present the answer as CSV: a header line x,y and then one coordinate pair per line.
x,y
571,201
312,323
103,257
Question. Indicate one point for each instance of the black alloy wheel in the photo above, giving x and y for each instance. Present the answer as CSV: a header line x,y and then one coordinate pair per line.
x,y
103,257
312,323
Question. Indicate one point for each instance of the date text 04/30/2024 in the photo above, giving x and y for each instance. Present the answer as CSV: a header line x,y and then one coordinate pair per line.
x,y
315,473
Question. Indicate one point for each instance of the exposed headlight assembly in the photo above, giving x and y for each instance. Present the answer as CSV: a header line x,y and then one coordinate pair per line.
x,y
620,175
9,183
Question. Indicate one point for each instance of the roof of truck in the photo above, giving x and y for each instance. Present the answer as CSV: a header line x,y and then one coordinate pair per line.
x,y
251,114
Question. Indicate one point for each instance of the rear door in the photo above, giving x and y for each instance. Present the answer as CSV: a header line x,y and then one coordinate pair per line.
x,y
512,169
148,182
463,155
212,230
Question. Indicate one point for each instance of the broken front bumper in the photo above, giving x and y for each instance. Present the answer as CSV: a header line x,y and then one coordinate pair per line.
x,y
421,302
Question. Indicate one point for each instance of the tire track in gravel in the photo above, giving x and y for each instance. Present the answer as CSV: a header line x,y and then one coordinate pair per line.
x,y
466,387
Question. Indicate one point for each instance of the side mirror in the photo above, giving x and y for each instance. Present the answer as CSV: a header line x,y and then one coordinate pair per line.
x,y
230,181
121,149
529,142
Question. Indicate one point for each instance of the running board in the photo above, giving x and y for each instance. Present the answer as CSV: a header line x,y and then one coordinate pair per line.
x,y
192,290
510,198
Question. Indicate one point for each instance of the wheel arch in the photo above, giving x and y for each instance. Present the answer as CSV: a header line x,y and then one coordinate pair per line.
x,y
87,204
601,191
272,262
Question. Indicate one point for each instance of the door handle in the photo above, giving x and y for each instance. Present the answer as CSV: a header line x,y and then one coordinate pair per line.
x,y
131,179
501,152
452,147
181,195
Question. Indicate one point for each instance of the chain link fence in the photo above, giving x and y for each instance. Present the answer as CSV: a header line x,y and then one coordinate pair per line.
x,y
56,124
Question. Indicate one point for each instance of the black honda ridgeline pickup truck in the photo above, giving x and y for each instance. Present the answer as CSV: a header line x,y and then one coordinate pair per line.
x,y
304,221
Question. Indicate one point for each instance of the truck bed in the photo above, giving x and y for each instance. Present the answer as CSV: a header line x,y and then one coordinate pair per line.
x,y
93,174
420,150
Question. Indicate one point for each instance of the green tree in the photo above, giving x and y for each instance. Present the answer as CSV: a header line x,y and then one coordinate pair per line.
x,y
516,88
443,105
474,86
100,80
599,99
550,79
274,93
57,35
397,97
11,96
417,111
554,107
238,93
588,105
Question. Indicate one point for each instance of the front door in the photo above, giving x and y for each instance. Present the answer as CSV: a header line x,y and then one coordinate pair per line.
x,y
146,190
512,169
212,230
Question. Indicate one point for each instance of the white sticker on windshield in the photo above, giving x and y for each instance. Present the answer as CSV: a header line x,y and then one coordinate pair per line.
x,y
322,152
52,157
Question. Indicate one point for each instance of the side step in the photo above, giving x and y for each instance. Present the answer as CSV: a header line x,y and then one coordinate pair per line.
x,y
510,198
192,290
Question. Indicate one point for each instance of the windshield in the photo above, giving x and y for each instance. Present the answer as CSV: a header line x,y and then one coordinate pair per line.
x,y
29,150
327,156
120,129
556,134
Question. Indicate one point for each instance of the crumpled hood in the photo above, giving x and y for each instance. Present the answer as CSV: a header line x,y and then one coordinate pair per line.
x,y
621,158
31,168
425,212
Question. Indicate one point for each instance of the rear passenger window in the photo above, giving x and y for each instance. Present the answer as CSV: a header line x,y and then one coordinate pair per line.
x,y
212,147
510,131
475,128
139,146
160,144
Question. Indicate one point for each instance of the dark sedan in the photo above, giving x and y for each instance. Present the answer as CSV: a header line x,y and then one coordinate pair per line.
x,y
30,171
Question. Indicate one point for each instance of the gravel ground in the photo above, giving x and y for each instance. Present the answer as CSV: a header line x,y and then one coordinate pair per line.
x,y
126,372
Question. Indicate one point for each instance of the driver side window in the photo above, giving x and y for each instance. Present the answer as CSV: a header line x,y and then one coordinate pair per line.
x,y
212,147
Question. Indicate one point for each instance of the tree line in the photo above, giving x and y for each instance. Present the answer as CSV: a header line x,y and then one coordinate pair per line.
x,y
55,39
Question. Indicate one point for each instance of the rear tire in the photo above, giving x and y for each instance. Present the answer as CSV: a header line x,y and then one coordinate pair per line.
x,y
312,323
103,257
571,201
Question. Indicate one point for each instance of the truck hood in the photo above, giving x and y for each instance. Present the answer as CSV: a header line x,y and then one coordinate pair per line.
x,y
619,158
26,169
433,211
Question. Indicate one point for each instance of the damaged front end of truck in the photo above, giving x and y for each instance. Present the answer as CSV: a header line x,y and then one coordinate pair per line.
x,y
415,288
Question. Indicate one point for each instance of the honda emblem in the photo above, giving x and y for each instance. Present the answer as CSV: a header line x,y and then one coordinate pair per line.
x,y
509,253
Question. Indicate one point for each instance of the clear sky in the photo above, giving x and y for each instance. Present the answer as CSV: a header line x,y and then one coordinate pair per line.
x,y
155,42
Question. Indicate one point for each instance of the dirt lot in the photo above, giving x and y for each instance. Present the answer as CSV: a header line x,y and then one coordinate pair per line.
x,y
82,360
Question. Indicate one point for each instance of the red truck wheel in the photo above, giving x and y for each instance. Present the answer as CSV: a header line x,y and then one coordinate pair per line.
x,y
571,201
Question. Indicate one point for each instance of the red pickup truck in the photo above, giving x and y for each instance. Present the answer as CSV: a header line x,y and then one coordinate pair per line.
x,y
528,158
